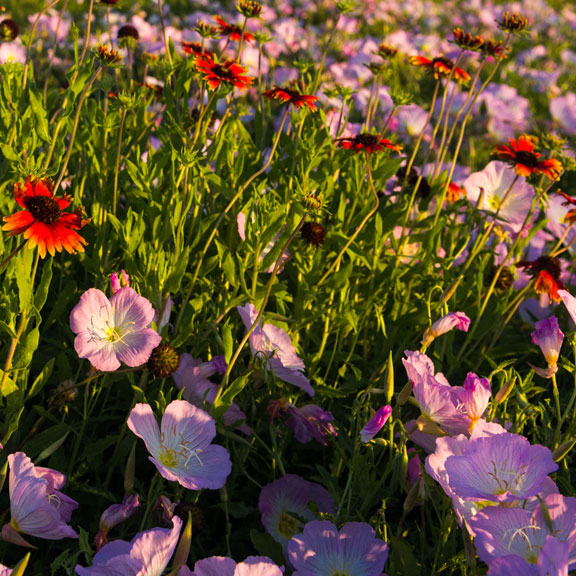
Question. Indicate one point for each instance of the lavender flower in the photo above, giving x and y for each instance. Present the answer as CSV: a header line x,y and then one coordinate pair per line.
x,y
287,498
493,189
252,566
113,331
37,507
277,347
500,532
114,515
549,337
375,424
323,551
475,396
452,320
500,468
192,377
147,554
310,422
181,449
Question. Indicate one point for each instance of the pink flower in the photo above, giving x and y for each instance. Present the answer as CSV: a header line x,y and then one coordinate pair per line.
x,y
475,396
221,566
278,349
549,337
375,424
310,422
192,377
37,507
284,500
114,515
113,331
452,320
182,449
147,555
118,282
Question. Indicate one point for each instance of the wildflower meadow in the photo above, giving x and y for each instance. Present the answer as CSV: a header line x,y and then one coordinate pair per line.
x,y
287,288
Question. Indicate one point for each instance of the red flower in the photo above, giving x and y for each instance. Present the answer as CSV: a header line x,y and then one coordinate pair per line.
x,y
195,48
228,72
571,214
546,270
291,97
368,142
521,154
235,32
43,221
441,67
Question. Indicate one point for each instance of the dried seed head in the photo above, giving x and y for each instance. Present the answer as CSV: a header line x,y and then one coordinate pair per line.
x,y
163,361
9,30
314,233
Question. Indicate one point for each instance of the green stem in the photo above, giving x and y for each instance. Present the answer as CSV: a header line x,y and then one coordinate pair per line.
x,y
117,166
87,42
358,230
223,214
75,127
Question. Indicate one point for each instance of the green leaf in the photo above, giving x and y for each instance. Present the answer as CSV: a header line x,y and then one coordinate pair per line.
x,y
224,400
40,117
42,378
42,290
26,348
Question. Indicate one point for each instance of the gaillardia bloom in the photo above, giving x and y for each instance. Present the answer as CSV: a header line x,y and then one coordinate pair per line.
x,y
441,67
546,270
43,220
181,449
520,153
113,331
291,96
367,142
233,31
228,72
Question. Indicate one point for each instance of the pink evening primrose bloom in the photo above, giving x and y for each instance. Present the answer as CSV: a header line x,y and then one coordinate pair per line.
x,y
5,571
500,531
118,282
475,396
322,550
549,337
114,515
452,320
181,449
147,554
277,346
113,331
494,189
37,507
285,500
221,566
375,424
192,377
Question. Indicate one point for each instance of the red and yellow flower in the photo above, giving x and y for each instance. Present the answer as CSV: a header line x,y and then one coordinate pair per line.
x,y
520,153
546,270
228,72
232,31
43,220
291,96
441,67
368,143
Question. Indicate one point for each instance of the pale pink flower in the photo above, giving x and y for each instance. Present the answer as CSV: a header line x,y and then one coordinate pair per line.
x,y
452,320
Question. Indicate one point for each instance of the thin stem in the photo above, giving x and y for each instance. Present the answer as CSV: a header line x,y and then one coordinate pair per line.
x,y
54,46
163,27
12,254
90,7
75,127
358,230
117,166
556,395
241,41
264,301
322,62
223,214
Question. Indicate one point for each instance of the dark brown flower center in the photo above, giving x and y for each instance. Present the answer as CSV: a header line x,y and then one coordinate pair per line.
x,y
222,72
368,139
163,361
443,60
44,209
528,159
548,264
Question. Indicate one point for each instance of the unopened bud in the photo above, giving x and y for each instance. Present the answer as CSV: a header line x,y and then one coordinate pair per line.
x,y
563,449
504,392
